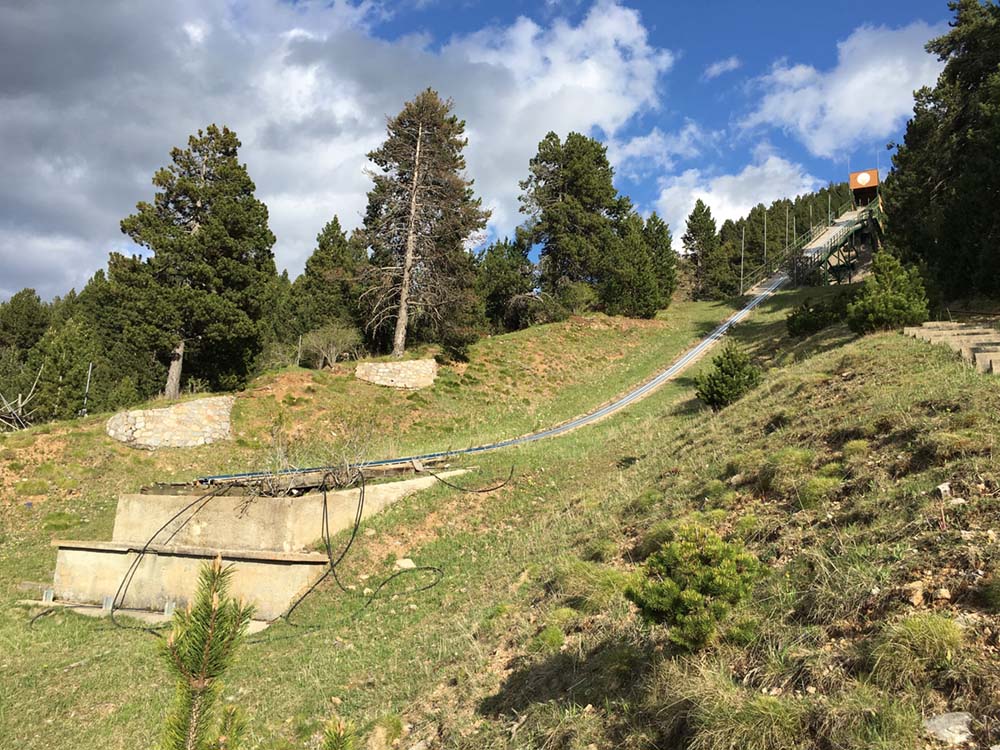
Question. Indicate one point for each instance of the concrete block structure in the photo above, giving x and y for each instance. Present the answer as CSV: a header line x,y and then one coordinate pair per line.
x,y
160,540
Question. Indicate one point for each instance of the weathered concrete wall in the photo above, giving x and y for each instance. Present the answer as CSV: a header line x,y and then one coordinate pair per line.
x,y
191,423
411,374
87,572
261,523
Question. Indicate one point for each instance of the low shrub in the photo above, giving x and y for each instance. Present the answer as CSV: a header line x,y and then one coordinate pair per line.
x,y
914,651
812,317
892,297
809,318
692,582
733,374
525,310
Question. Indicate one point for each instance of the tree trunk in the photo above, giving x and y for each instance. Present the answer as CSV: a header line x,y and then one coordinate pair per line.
x,y
173,389
402,319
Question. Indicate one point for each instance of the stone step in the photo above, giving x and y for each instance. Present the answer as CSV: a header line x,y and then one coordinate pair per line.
x,y
935,336
246,522
942,324
87,572
988,360
969,346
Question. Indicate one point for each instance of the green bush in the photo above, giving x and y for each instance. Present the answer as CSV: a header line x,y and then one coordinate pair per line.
x,y
692,583
731,376
809,318
892,297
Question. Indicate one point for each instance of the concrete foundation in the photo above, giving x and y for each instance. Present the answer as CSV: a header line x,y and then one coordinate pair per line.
x,y
285,524
263,537
87,572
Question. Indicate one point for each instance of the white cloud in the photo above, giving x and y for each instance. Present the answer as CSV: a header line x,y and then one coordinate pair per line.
x,y
867,96
639,156
731,196
306,86
719,67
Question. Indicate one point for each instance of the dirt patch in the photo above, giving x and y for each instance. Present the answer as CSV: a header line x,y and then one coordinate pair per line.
x,y
287,384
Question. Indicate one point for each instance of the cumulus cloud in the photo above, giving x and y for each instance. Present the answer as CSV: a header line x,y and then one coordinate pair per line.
x,y
867,96
731,196
719,67
639,156
94,96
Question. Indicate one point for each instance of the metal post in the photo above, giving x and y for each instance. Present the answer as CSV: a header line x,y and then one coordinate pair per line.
x,y
86,390
765,239
811,224
829,209
743,245
786,227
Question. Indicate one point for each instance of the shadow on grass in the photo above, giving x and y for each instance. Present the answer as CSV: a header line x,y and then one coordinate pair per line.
x,y
611,671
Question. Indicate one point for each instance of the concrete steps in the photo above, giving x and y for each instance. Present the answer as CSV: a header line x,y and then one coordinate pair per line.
x,y
87,572
977,345
160,542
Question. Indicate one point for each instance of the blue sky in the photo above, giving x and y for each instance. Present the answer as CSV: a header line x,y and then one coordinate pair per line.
x,y
731,102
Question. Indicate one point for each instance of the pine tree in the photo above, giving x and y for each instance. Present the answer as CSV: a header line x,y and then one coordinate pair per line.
x,y
199,650
212,262
421,212
630,286
658,239
572,204
327,290
733,374
63,356
942,196
892,297
702,246
503,273
23,320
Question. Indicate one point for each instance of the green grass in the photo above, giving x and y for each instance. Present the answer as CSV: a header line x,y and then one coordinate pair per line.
x,y
456,661
916,650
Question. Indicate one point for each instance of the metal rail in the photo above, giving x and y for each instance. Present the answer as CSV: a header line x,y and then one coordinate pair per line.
x,y
618,404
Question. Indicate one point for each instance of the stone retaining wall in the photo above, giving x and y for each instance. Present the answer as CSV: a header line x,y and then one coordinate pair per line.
x,y
411,374
185,425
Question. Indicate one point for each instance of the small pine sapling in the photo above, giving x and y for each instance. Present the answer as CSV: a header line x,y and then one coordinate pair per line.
x,y
692,583
732,375
892,297
200,648
339,735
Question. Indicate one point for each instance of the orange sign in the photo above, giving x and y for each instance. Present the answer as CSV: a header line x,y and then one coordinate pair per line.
x,y
866,179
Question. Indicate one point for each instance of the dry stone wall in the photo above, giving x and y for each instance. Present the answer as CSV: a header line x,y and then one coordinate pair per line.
x,y
411,374
185,425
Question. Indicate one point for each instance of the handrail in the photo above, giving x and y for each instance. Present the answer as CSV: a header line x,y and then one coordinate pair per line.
x,y
761,272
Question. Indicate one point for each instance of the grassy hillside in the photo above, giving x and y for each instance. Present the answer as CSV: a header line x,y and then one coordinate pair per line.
x,y
825,473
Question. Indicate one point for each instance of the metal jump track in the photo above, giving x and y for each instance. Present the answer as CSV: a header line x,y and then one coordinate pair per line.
x,y
770,287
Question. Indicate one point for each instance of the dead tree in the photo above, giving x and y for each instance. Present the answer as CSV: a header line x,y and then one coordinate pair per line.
x,y
421,213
